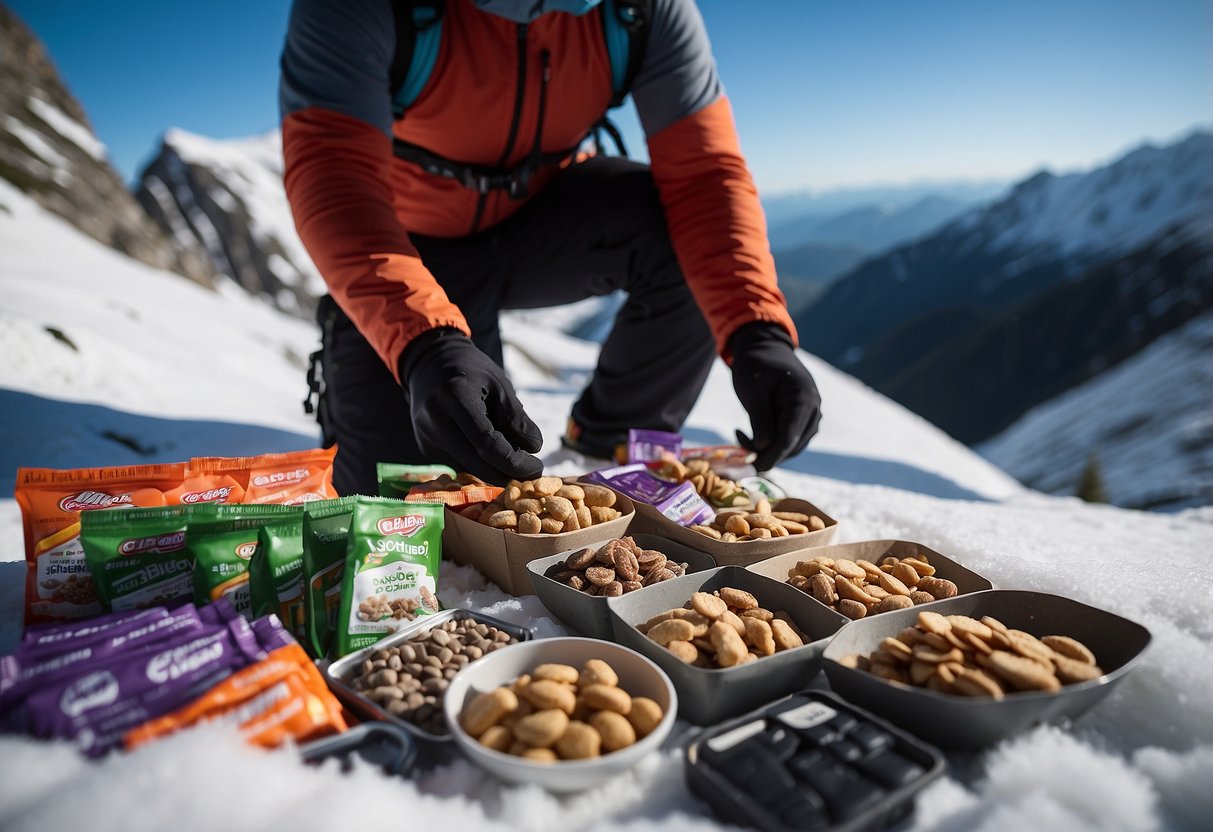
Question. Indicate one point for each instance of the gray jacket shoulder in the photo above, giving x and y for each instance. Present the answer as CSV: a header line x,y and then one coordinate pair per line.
x,y
338,55
678,74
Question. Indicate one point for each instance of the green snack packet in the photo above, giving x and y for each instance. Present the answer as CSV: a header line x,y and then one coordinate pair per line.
x,y
223,539
395,479
138,557
275,575
391,570
326,528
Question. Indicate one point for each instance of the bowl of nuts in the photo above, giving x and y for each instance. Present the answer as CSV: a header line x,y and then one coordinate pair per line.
x,y
403,678
729,639
575,585
872,576
972,670
563,713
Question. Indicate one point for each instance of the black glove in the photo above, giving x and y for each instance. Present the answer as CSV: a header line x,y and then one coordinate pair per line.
x,y
465,412
776,390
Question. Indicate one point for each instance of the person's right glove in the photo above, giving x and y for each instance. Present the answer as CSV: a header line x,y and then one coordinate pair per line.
x,y
776,390
464,409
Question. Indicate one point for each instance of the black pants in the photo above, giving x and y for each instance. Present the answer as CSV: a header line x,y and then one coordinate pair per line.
x,y
596,228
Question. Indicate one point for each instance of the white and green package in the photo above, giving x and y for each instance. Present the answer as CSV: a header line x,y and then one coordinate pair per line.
x,y
326,529
222,539
275,575
391,569
137,556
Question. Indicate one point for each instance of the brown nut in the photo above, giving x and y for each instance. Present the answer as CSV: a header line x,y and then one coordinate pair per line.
x,y
738,598
730,648
615,730
545,694
852,609
556,673
758,634
597,672
529,523
581,559
684,650
542,728
708,605
674,629
580,742
487,709
784,636
645,716
607,698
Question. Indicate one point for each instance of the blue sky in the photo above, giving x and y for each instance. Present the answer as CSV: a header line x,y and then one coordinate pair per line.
x,y
827,93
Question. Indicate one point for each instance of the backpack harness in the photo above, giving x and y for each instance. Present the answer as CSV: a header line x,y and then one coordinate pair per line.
x,y
418,35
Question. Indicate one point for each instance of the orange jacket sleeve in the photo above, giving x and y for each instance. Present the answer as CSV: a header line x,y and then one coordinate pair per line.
x,y
338,185
716,222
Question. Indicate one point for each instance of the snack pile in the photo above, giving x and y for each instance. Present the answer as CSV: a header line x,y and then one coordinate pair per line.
x,y
615,568
738,525
557,712
856,588
961,655
546,505
724,628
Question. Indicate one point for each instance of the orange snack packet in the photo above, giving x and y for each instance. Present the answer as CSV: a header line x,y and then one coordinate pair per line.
x,y
463,496
281,696
206,488
287,478
58,585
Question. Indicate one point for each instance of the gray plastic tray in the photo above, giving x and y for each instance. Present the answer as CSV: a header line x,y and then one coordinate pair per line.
x,y
966,580
588,614
339,673
961,722
708,695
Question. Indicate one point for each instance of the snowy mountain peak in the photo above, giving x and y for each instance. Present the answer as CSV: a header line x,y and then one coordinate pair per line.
x,y
1107,211
224,200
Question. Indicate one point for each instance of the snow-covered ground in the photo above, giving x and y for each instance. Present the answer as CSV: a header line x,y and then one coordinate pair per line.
x,y
149,357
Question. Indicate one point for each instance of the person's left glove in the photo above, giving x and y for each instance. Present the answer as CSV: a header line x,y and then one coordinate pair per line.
x,y
464,409
776,390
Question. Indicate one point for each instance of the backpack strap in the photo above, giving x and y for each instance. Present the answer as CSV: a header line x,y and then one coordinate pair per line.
x,y
418,36
625,25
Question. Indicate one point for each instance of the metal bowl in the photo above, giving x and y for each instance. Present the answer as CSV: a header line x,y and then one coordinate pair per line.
x,y
962,722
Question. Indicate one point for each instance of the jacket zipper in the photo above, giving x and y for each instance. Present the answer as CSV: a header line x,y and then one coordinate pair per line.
x,y
519,94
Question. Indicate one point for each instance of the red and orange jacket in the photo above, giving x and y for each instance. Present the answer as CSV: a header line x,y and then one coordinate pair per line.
x,y
354,202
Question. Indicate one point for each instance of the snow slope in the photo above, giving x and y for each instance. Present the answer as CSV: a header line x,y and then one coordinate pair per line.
x,y
183,371
1150,419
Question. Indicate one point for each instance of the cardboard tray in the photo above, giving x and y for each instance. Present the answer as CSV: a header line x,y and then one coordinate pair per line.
x,y
588,614
966,580
963,722
743,553
502,556
708,695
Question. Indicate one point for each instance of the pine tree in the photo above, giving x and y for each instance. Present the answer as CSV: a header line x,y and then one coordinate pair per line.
x,y
1090,485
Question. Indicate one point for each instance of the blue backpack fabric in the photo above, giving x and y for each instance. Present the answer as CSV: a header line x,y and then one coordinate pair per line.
x,y
419,34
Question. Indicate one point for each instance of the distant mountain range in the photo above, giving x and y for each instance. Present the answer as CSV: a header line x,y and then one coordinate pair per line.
x,y
1014,302
812,251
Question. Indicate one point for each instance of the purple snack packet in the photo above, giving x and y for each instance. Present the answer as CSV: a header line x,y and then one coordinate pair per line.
x,y
218,611
26,669
653,445
270,633
679,502
42,636
98,707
